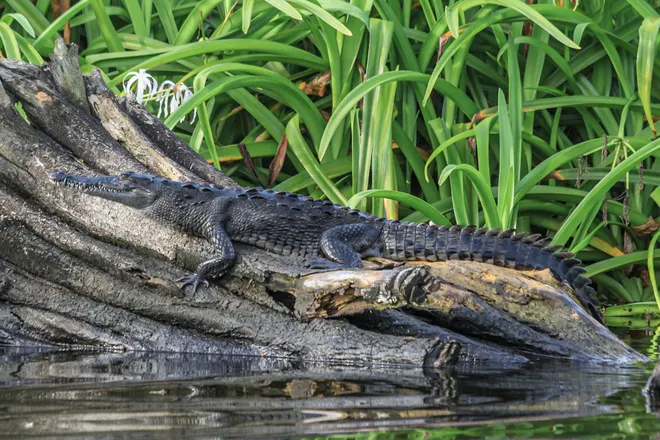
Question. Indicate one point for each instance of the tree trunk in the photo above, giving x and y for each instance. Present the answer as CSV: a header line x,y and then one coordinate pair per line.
x,y
79,271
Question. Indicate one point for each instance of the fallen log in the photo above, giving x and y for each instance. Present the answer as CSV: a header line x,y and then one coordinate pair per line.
x,y
85,272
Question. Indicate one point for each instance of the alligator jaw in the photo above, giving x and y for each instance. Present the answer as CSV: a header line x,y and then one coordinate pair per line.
x,y
114,188
91,185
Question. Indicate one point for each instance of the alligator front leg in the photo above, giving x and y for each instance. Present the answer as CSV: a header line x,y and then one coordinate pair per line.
x,y
215,267
343,244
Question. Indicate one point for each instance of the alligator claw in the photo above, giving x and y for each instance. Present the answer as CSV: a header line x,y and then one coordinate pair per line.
x,y
591,304
193,280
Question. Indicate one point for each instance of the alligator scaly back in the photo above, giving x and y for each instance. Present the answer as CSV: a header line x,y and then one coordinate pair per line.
x,y
411,241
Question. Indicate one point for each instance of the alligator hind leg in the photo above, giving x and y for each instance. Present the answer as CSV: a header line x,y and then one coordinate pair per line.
x,y
343,244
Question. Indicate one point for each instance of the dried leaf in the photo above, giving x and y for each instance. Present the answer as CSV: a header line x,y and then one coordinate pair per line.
x,y
232,113
278,161
442,41
318,85
361,70
649,227
644,276
578,179
60,7
472,144
628,248
555,175
640,186
248,161
262,136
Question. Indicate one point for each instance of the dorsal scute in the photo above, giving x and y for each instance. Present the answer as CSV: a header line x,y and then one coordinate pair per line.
x,y
508,233
189,190
493,232
280,200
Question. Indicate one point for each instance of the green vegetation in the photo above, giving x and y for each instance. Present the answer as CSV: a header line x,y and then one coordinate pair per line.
x,y
497,113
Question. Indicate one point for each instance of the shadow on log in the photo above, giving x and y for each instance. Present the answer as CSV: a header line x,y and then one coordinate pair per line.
x,y
79,271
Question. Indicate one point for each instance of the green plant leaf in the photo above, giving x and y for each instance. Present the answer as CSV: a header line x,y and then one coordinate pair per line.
x,y
105,25
597,194
477,27
246,14
9,43
345,8
414,202
137,17
651,268
59,23
166,16
322,14
449,91
648,34
28,10
483,190
20,18
286,8
443,146
302,151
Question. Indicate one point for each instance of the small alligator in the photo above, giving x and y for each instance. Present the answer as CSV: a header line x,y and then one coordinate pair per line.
x,y
324,235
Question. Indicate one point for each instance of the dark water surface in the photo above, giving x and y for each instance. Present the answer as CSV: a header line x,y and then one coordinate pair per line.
x,y
165,395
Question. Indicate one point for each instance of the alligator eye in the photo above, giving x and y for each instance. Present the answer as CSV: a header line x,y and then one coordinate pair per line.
x,y
126,175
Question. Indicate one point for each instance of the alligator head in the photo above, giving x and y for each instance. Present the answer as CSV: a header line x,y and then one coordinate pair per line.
x,y
136,190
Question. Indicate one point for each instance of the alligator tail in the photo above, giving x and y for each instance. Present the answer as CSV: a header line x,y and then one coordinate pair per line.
x,y
410,241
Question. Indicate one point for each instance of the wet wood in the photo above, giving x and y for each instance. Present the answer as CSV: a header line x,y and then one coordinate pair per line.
x,y
81,271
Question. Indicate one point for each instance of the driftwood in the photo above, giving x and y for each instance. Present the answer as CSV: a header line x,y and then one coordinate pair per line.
x,y
82,272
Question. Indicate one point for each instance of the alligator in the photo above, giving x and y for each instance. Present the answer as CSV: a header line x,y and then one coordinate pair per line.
x,y
322,234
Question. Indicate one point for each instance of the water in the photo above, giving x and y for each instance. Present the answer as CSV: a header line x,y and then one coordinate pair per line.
x,y
164,395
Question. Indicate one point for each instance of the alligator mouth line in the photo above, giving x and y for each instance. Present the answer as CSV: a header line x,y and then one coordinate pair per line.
x,y
74,183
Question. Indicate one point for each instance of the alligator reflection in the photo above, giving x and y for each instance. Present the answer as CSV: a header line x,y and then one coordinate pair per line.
x,y
196,395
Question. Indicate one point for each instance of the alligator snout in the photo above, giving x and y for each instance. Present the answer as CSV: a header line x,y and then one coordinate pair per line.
x,y
58,177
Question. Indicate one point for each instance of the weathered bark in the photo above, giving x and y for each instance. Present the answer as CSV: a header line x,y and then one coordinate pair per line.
x,y
84,272
125,131
65,68
174,147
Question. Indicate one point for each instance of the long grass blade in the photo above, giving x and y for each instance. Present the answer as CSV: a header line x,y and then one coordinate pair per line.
x,y
414,202
9,43
137,17
648,34
106,27
483,190
302,151
650,264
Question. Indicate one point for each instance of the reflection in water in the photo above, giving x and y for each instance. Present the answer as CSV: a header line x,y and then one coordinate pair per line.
x,y
185,396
